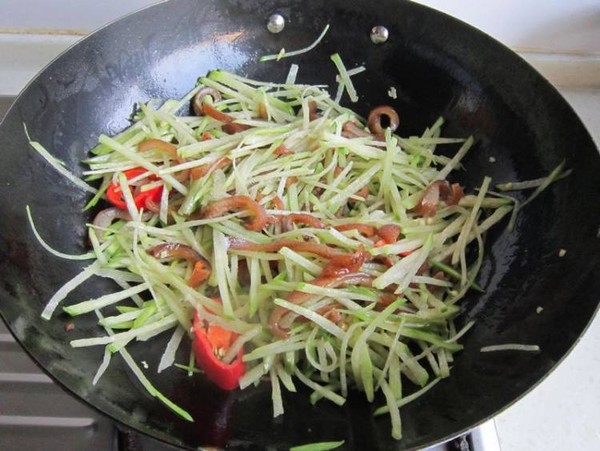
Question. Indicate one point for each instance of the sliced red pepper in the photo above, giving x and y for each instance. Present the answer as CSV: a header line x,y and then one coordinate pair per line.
x,y
115,195
211,341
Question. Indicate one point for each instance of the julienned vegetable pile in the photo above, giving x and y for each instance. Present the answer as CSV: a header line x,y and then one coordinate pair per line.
x,y
292,240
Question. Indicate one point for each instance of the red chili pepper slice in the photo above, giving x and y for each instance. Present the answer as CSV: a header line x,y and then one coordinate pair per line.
x,y
115,196
209,341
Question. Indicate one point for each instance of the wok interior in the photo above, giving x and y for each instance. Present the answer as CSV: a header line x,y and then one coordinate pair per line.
x,y
438,67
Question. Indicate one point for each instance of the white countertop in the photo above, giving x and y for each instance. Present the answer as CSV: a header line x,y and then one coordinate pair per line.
x,y
563,412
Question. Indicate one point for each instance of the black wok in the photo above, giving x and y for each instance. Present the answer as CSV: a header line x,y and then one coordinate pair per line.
x,y
439,66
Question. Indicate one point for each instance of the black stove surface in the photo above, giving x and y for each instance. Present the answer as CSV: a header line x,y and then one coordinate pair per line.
x,y
37,414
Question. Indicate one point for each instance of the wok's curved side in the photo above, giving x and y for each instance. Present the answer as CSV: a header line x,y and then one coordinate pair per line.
x,y
438,66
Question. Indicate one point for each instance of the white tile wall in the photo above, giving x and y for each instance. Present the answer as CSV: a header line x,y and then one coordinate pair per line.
x,y
544,25
80,15
22,56
570,26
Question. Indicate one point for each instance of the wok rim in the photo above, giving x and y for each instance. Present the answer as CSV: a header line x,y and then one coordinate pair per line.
x,y
156,6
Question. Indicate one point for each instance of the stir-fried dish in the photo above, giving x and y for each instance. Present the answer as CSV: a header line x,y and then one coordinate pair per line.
x,y
293,241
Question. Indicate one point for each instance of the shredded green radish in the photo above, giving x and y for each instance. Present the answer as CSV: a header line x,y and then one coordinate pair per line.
x,y
344,78
59,165
283,54
335,256
86,256
318,446
511,347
